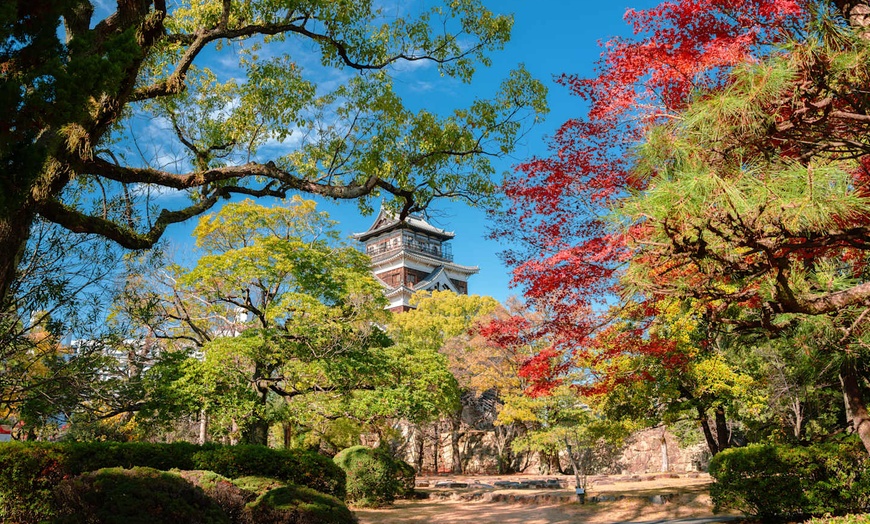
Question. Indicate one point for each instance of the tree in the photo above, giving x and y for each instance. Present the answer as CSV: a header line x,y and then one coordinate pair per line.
x,y
563,424
276,304
722,160
775,217
670,363
73,83
443,322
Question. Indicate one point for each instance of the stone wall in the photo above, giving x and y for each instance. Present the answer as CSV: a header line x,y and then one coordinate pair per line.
x,y
643,453
480,450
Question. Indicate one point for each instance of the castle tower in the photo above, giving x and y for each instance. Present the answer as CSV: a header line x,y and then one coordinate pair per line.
x,y
412,255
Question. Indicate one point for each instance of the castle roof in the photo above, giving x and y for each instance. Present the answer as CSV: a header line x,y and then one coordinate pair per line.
x,y
387,221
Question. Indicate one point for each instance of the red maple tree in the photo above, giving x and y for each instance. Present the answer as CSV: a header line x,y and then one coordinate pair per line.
x,y
570,256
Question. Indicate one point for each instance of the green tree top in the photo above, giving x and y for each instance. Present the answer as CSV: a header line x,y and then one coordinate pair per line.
x,y
72,87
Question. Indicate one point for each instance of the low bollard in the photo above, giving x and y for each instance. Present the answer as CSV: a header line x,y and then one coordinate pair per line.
x,y
581,495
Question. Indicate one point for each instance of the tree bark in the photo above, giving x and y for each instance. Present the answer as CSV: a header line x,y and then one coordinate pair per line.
x,y
234,433
256,433
857,13
856,409
419,449
288,435
456,423
708,435
579,471
723,436
203,427
797,408
14,233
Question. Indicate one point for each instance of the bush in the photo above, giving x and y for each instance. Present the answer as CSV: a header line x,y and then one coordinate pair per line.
x,y
298,504
263,500
28,473
232,499
29,470
304,468
407,479
771,481
373,477
134,496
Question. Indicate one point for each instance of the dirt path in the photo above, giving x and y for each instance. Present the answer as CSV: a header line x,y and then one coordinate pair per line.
x,y
689,500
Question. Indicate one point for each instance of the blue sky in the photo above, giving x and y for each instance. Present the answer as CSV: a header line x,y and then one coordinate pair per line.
x,y
549,37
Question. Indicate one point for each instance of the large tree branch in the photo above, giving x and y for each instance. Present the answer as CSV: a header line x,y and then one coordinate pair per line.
x,y
78,222
287,181
826,303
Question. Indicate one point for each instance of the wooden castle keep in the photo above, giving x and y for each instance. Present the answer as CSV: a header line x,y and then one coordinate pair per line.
x,y
412,255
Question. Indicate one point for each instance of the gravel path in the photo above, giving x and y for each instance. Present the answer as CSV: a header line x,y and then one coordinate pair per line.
x,y
688,504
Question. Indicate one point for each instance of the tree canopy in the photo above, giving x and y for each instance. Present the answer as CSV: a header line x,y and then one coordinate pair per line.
x,y
74,79
720,168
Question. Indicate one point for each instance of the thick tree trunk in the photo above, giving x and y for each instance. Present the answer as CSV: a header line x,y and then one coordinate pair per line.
x,y
234,433
857,12
856,409
287,431
256,433
14,232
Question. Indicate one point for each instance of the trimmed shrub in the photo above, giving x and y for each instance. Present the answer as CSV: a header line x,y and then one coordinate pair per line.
x,y
776,482
91,456
134,496
232,499
304,468
29,470
299,505
373,477
407,479
28,474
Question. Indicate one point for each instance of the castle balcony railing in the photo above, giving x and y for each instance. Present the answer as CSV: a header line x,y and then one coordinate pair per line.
x,y
444,251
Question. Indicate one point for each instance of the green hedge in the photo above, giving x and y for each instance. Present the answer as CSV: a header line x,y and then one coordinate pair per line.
x,y
775,482
303,468
30,470
134,496
305,504
373,477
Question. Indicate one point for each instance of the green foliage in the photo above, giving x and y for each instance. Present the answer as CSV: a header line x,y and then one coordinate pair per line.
x,y
771,481
282,311
28,474
846,519
561,422
134,496
294,466
29,470
293,504
232,499
406,479
373,477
